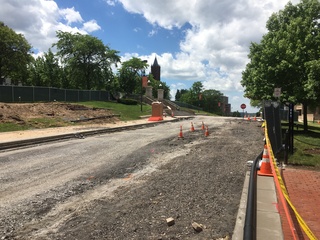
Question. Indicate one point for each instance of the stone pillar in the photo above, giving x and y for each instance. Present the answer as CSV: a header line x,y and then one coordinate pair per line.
x,y
160,94
149,91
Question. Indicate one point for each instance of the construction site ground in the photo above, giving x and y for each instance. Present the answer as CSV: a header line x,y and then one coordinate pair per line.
x,y
139,212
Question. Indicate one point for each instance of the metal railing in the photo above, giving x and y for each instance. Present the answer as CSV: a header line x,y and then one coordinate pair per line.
x,y
250,224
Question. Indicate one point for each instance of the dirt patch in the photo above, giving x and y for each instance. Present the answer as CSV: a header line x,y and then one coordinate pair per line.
x,y
39,115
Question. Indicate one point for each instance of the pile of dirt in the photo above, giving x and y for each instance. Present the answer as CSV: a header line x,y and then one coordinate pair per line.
x,y
59,113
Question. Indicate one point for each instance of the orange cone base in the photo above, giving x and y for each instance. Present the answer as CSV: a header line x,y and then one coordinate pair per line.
x,y
206,133
265,170
155,119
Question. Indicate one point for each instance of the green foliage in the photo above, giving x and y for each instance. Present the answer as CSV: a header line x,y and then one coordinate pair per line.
x,y
87,61
127,101
179,93
306,146
14,55
236,114
45,71
10,127
208,100
127,80
130,75
288,57
126,112
192,96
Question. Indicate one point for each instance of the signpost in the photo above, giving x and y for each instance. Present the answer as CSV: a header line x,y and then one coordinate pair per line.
x,y
243,107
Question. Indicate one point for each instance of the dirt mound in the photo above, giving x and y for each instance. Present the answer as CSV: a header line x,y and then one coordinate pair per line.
x,y
57,113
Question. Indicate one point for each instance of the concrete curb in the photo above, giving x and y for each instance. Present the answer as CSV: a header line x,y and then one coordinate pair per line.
x,y
238,229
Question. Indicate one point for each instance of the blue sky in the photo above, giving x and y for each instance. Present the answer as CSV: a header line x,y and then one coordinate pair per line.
x,y
194,40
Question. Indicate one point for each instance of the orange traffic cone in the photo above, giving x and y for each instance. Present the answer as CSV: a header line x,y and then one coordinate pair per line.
x,y
265,168
249,117
206,133
202,127
192,127
255,118
180,134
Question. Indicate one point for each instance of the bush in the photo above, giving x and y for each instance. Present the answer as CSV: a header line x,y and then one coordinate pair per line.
x,y
128,101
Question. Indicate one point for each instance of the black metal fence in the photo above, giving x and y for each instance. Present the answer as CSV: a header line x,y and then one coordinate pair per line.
x,y
47,94
273,119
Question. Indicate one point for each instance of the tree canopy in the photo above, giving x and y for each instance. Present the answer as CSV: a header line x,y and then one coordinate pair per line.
x,y
287,56
81,62
14,55
130,75
45,71
87,59
208,99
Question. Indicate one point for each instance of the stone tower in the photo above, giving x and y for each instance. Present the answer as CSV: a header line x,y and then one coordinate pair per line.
x,y
155,69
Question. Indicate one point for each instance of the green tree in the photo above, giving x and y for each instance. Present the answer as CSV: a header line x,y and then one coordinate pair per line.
x,y
87,59
287,57
178,95
192,96
186,97
196,92
45,71
130,75
14,55
210,101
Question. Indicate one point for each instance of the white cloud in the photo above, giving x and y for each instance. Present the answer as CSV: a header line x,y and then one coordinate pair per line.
x,y
38,21
214,44
91,26
215,47
152,33
111,2
71,16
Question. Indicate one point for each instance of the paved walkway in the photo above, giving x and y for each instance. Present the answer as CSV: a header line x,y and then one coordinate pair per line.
x,y
303,187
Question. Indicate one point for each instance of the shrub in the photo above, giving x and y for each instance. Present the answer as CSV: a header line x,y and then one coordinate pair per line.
x,y
128,101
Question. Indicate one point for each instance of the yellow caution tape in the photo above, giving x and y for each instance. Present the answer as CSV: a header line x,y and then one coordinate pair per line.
x,y
284,191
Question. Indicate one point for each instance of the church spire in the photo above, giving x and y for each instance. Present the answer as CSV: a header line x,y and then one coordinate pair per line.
x,y
155,69
155,63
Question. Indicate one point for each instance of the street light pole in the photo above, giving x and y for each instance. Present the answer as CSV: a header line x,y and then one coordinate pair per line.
x,y
141,83
141,93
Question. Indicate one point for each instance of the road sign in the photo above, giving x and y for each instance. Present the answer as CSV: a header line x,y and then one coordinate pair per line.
x,y
243,106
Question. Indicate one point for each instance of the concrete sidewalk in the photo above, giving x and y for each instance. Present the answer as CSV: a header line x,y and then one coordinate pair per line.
x,y
268,217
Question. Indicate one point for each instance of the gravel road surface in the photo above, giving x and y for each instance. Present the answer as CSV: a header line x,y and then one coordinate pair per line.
x,y
126,185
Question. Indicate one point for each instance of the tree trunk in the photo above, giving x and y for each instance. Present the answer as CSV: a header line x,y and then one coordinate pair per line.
x,y
305,116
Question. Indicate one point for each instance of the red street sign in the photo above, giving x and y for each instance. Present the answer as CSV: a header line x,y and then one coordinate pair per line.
x,y
243,106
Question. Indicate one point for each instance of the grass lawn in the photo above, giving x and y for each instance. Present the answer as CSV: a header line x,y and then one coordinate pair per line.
x,y
306,145
126,112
